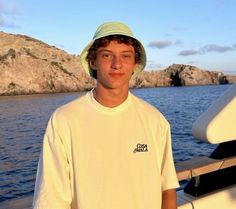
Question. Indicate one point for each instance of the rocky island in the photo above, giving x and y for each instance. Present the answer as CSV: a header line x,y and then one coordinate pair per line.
x,y
30,66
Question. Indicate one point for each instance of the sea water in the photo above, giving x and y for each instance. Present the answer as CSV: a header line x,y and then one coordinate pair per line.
x,y
23,120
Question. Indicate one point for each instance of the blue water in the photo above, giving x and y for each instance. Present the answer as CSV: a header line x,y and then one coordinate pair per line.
x,y
23,120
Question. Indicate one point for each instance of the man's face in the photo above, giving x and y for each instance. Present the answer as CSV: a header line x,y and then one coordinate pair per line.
x,y
115,64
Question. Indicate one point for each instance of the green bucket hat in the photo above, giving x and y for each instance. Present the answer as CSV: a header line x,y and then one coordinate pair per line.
x,y
107,29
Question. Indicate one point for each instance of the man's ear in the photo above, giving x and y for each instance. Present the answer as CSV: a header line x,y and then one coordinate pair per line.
x,y
92,65
134,68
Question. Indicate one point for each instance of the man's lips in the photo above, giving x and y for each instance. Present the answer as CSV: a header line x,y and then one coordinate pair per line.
x,y
116,74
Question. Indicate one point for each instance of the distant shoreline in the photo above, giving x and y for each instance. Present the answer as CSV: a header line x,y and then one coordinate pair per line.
x,y
84,91
29,66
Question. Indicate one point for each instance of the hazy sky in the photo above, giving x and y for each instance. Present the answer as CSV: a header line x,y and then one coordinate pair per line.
x,y
196,32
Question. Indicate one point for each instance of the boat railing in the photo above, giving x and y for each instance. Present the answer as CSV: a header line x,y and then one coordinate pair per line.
x,y
202,165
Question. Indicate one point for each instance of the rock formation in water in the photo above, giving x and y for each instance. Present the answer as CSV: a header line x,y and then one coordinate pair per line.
x,y
181,75
29,66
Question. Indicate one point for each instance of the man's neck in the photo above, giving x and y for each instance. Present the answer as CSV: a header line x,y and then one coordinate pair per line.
x,y
110,97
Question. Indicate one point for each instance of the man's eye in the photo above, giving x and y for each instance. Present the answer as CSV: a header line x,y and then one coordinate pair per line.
x,y
127,56
106,56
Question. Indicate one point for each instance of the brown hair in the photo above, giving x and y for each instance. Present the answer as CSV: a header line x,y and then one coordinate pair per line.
x,y
103,42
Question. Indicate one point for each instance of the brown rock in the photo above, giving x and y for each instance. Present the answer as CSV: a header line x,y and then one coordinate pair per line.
x,y
181,75
30,66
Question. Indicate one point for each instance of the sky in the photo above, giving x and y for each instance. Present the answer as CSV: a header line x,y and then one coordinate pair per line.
x,y
201,33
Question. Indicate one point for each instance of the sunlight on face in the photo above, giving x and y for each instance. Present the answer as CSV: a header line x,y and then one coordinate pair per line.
x,y
115,64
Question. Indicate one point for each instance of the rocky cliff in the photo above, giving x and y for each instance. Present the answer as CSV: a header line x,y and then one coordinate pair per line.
x,y
181,75
29,66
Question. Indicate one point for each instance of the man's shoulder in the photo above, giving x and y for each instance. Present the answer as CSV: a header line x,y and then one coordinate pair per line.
x,y
141,103
148,109
72,106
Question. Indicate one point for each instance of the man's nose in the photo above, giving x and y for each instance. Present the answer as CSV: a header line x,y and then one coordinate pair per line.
x,y
116,63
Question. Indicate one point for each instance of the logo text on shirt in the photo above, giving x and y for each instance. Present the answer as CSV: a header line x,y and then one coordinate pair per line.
x,y
141,148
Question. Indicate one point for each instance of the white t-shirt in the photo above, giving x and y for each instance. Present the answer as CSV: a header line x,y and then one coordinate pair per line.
x,y
95,157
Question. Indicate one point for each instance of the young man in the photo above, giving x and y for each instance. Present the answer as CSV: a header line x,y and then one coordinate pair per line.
x,y
108,149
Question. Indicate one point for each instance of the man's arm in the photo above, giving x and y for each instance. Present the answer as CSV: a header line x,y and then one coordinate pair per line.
x,y
53,186
169,199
